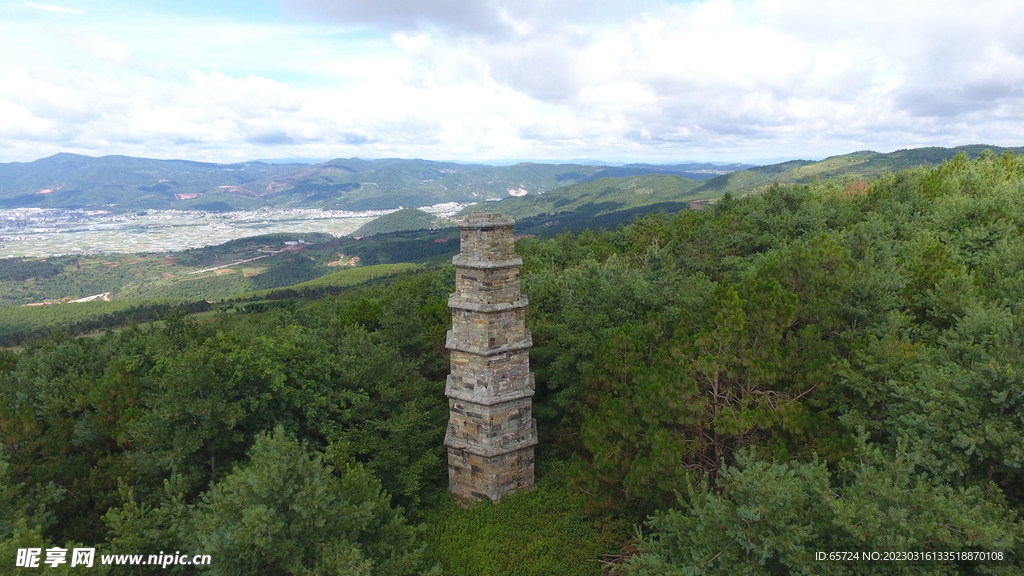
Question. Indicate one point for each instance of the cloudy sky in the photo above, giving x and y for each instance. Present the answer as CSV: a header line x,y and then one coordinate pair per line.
x,y
645,80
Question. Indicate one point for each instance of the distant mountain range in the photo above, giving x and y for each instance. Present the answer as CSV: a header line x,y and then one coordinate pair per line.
x,y
126,184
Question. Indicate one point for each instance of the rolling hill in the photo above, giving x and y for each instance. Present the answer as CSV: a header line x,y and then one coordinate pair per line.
x,y
404,219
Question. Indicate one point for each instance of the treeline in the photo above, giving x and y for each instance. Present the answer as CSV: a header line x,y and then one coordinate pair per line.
x,y
415,246
17,269
829,367
333,283
20,324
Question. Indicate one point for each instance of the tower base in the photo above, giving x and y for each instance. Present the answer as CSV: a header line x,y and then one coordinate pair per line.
x,y
476,477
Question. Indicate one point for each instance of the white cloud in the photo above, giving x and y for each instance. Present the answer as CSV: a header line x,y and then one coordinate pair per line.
x,y
798,75
103,47
52,8
531,78
491,18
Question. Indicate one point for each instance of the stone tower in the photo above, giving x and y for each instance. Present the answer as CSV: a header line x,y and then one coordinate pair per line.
x,y
491,431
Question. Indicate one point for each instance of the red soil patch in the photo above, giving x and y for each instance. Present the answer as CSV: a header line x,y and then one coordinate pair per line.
x,y
856,188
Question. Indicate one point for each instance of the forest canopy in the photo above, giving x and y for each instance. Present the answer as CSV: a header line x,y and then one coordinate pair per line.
x,y
832,366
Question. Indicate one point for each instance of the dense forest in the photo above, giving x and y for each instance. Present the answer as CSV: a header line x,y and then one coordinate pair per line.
x,y
823,367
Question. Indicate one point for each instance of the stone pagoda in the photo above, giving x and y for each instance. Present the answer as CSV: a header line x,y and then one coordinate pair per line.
x,y
491,431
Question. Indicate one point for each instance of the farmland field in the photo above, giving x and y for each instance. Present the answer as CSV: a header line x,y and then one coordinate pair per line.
x,y
34,232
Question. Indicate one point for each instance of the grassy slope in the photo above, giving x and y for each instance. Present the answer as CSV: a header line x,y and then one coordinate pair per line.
x,y
747,179
541,531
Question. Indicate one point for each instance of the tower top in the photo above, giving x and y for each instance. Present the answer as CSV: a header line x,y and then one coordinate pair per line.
x,y
485,220
486,241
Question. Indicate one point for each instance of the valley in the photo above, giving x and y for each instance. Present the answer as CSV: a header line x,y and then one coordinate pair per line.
x,y
34,232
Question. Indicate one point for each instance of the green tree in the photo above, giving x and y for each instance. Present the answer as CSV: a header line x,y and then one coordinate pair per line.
x,y
771,518
287,512
656,411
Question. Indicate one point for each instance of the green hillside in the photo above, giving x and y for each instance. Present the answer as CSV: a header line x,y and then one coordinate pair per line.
x,y
611,194
23,322
747,179
863,164
125,184
265,262
597,197
401,220
355,184
242,265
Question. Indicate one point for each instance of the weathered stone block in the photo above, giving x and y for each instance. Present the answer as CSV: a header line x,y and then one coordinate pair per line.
x,y
479,330
488,285
477,477
490,430
490,379
487,237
